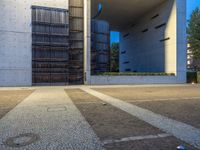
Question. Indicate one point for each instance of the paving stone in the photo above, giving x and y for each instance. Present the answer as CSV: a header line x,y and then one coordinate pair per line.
x,y
151,92
10,98
56,129
107,121
180,130
169,143
186,111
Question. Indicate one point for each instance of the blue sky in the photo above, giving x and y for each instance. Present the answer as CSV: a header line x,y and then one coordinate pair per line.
x,y
114,37
191,5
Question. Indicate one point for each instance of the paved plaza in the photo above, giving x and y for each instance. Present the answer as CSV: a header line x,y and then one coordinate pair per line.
x,y
143,117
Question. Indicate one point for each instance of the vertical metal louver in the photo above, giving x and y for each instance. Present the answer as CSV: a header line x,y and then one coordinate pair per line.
x,y
76,52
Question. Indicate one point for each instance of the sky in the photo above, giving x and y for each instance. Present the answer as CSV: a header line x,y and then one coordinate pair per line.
x,y
191,5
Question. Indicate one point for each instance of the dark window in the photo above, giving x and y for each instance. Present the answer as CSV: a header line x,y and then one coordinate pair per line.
x,y
145,30
126,62
155,16
165,39
126,35
128,70
161,25
123,52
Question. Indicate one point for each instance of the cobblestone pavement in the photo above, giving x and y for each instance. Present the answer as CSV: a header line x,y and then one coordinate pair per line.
x,y
100,117
47,119
9,99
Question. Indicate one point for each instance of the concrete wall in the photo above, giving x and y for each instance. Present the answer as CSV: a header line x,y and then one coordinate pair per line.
x,y
172,53
142,50
181,40
87,41
15,43
117,80
15,40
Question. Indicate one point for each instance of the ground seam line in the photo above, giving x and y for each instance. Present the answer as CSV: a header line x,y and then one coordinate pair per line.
x,y
136,138
21,102
164,99
86,122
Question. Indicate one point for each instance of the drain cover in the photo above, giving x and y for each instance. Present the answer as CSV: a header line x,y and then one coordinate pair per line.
x,y
56,109
149,91
21,140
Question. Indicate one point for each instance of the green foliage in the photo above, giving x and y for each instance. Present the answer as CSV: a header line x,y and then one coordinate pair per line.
x,y
196,64
193,32
198,77
191,77
114,58
136,74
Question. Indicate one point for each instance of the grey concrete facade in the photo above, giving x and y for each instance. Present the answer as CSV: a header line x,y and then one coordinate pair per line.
x,y
144,48
16,50
15,40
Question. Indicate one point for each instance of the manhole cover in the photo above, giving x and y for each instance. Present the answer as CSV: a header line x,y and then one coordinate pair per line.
x,y
56,109
21,140
149,91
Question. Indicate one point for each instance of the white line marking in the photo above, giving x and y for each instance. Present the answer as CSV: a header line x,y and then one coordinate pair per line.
x,y
145,100
136,138
180,130
165,99
141,85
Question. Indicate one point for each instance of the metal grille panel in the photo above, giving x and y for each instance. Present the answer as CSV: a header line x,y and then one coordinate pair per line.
x,y
76,42
50,46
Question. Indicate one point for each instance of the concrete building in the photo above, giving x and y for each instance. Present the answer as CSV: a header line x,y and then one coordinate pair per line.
x,y
153,39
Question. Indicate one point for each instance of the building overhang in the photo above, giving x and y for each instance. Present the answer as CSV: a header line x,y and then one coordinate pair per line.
x,y
123,13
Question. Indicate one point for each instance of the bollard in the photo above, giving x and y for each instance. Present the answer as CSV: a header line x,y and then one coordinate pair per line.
x,y
181,147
